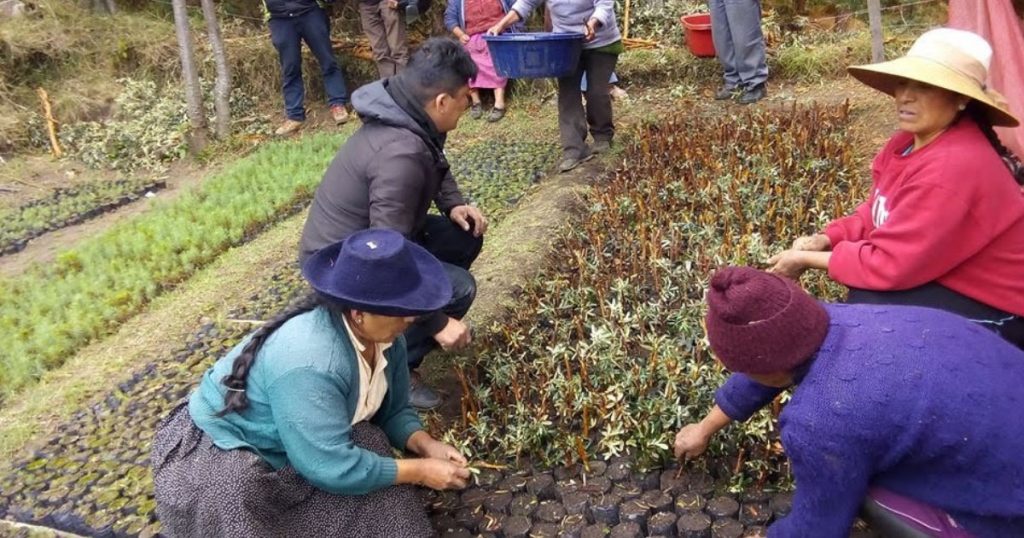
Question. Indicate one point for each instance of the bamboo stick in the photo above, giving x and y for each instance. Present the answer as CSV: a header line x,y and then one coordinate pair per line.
x,y
51,123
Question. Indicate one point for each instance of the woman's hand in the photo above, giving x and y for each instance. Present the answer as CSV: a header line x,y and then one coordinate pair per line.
x,y
691,441
590,30
443,451
441,474
497,28
816,242
462,36
788,263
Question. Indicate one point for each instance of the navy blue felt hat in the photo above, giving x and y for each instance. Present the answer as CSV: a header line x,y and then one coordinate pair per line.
x,y
380,272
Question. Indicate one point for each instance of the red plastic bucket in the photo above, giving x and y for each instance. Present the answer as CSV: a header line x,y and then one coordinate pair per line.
x,y
698,34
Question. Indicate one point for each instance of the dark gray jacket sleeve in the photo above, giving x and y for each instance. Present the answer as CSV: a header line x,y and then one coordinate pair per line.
x,y
448,196
397,179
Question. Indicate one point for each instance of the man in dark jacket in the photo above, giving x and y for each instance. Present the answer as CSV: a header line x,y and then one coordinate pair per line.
x,y
291,22
389,172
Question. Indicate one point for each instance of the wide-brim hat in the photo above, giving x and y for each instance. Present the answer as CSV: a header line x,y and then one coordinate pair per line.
x,y
954,60
380,272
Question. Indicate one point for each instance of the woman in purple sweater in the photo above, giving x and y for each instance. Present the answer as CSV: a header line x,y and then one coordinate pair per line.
x,y
912,412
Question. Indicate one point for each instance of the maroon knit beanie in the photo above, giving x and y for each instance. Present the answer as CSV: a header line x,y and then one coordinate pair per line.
x,y
760,323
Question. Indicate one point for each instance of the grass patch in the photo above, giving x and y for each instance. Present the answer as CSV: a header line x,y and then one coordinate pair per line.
x,y
48,312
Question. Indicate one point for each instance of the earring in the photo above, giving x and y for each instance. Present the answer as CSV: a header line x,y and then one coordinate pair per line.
x,y
359,320
962,107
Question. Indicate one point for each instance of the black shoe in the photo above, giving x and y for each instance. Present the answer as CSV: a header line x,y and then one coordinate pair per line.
x,y
726,92
753,94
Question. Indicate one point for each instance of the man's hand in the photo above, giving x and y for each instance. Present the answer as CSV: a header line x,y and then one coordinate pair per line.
x,y
393,4
591,29
469,219
691,441
454,335
816,242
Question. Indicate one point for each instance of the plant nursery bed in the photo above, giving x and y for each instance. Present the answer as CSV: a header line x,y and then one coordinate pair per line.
x,y
67,207
604,352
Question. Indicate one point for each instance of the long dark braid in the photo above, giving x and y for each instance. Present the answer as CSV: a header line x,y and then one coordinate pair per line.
x,y
977,113
235,400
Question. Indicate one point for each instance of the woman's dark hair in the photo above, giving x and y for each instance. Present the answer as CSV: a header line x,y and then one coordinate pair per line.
x,y
977,113
439,65
235,399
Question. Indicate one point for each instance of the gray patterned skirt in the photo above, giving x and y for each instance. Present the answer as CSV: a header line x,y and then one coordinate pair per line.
x,y
202,490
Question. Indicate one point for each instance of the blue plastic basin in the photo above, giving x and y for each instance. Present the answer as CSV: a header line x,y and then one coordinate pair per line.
x,y
535,55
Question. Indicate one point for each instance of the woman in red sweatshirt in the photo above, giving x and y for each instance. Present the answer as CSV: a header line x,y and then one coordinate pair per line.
x,y
944,223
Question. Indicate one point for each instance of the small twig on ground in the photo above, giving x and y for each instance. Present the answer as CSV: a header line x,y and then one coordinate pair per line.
x,y
486,465
9,189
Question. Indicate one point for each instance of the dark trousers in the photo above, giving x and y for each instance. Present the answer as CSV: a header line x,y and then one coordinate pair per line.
x,y
934,295
385,28
287,34
457,249
572,120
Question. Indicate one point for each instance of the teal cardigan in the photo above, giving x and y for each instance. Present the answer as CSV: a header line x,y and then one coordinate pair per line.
x,y
303,391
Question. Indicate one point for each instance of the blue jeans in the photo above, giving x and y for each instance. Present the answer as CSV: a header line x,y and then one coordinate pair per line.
x,y
456,249
287,34
739,42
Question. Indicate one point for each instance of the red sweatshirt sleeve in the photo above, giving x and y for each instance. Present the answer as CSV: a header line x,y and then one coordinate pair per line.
x,y
929,231
852,227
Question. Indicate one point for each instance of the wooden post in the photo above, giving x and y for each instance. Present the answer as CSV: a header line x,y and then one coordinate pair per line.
x,y
51,123
877,40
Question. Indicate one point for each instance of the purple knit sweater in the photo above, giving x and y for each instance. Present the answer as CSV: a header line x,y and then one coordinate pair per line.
x,y
915,400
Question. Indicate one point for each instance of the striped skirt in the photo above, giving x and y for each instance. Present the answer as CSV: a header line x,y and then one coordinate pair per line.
x,y
203,490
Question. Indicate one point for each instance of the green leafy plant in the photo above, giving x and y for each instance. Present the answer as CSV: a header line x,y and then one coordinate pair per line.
x,y
605,352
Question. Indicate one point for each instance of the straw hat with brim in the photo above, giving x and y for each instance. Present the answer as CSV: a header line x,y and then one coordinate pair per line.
x,y
954,60
380,272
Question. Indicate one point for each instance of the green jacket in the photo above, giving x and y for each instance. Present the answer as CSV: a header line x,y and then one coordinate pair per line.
x,y
303,392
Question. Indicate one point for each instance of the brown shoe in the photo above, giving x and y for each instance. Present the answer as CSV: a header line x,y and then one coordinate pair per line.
x,y
289,126
340,114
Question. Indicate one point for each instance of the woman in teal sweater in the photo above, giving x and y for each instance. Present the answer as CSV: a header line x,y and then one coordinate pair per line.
x,y
293,432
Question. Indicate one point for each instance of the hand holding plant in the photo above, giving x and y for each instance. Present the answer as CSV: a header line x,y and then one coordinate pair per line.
x,y
816,242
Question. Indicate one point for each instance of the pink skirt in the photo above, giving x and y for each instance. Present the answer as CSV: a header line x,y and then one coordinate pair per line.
x,y
486,76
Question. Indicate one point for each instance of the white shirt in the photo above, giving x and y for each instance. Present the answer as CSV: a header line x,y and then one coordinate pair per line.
x,y
373,385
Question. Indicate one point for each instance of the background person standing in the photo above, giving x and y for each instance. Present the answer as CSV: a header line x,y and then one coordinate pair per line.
x,y
291,22
383,22
739,46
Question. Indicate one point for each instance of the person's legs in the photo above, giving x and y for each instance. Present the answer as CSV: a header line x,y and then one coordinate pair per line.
x,y
373,26
747,41
721,35
935,295
287,40
419,338
896,516
394,30
572,124
499,97
316,32
600,67
448,242
456,249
